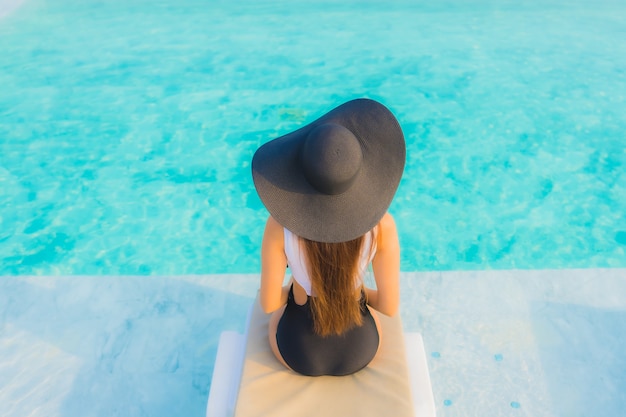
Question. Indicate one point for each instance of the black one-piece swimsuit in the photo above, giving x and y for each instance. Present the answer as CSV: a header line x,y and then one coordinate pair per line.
x,y
310,354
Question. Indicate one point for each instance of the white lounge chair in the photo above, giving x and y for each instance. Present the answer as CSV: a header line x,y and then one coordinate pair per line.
x,y
248,381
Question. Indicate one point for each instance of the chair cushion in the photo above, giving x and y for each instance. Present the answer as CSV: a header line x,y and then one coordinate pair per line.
x,y
269,389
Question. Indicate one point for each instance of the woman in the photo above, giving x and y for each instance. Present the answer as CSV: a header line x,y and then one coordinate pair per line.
x,y
327,187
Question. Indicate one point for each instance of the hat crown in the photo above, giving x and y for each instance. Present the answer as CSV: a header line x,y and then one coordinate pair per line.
x,y
331,158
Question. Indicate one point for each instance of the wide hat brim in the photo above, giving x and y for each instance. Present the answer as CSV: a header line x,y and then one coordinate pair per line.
x,y
298,206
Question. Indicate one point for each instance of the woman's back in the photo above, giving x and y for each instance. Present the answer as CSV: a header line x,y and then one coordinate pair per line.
x,y
297,260
293,335
332,275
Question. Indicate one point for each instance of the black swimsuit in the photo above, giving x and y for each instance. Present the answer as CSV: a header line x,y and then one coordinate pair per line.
x,y
310,354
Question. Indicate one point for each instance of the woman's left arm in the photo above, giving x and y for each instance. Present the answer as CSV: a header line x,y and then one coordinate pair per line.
x,y
273,266
386,265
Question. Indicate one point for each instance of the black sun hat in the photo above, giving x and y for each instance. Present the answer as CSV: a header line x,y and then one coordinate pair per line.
x,y
333,179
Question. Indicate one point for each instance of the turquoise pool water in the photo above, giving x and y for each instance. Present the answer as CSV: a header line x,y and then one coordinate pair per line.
x,y
126,128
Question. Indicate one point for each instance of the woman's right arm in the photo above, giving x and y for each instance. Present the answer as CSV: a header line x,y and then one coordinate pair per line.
x,y
386,265
273,265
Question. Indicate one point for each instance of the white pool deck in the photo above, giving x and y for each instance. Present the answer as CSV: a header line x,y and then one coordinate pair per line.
x,y
498,343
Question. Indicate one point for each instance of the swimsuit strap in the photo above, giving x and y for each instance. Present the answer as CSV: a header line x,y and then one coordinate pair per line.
x,y
292,300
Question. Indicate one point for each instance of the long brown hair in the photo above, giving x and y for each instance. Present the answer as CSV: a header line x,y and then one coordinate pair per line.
x,y
333,270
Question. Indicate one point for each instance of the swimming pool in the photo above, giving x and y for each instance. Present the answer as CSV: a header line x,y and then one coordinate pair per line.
x,y
128,123
126,131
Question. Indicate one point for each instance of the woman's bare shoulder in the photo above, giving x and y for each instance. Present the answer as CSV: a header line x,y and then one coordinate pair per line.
x,y
272,223
387,224
387,221
273,230
386,230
